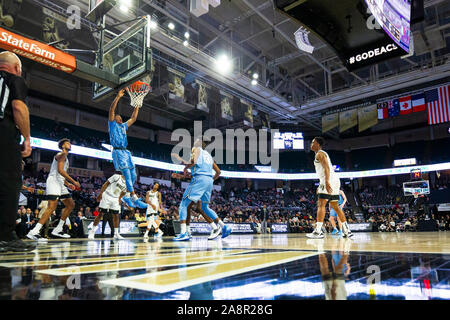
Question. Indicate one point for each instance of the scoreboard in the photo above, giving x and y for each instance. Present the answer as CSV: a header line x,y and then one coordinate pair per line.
x,y
288,141
416,174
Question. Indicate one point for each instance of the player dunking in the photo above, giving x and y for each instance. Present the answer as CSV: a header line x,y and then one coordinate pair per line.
x,y
109,197
200,189
154,207
333,214
328,190
56,189
121,156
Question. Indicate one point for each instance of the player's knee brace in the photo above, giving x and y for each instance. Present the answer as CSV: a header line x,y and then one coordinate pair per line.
x,y
209,212
183,208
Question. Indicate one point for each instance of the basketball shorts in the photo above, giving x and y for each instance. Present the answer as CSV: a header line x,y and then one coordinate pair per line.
x,y
109,203
122,159
55,189
324,194
150,211
335,289
200,188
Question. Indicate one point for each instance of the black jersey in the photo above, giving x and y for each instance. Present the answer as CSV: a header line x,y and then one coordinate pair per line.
x,y
12,88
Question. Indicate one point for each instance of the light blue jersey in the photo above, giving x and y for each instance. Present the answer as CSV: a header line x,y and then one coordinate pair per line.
x,y
204,164
118,134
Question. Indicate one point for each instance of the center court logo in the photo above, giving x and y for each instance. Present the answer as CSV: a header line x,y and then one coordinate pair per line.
x,y
222,147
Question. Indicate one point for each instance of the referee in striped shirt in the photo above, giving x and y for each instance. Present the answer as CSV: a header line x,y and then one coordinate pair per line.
x,y
14,121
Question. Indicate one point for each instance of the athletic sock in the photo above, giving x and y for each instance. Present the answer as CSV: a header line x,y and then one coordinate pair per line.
x,y
213,225
221,224
345,228
116,231
60,225
37,228
127,195
188,229
146,233
183,228
319,227
335,229
135,198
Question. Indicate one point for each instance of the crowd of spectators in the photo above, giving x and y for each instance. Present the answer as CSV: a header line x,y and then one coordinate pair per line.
x,y
296,207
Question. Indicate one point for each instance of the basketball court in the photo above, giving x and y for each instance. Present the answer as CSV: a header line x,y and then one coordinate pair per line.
x,y
407,265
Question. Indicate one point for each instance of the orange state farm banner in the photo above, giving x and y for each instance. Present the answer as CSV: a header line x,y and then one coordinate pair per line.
x,y
348,119
37,51
330,121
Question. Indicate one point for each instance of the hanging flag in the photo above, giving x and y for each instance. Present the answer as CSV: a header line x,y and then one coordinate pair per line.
x,y
405,105
418,102
329,122
393,108
348,119
382,111
367,117
438,105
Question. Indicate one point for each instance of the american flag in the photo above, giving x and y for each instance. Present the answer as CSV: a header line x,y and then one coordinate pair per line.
x,y
438,104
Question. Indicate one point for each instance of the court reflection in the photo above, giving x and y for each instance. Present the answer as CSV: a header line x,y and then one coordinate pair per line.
x,y
243,267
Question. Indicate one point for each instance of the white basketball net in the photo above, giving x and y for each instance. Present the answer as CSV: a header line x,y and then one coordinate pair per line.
x,y
137,92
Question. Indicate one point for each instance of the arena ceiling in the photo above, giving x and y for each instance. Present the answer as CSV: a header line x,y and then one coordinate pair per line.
x,y
261,40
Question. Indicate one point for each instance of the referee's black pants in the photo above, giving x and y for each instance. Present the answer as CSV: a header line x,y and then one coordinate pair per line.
x,y
10,178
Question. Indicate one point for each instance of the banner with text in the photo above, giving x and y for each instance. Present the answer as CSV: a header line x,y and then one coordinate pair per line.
x,y
367,117
248,113
330,121
265,121
176,84
226,105
348,119
202,95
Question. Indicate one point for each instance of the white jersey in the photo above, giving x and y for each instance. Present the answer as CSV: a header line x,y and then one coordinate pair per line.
x,y
116,186
153,199
320,170
54,170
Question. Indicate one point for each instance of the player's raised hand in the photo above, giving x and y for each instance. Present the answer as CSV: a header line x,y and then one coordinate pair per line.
x,y
121,93
176,175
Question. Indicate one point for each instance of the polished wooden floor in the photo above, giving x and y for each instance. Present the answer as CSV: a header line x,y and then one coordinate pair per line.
x,y
279,266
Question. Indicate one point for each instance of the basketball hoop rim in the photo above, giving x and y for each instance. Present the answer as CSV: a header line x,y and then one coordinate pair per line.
x,y
139,84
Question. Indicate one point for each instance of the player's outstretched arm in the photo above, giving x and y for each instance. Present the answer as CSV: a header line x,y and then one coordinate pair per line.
x,y
112,108
217,170
160,209
194,158
61,158
104,186
133,117
344,198
176,156
120,197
